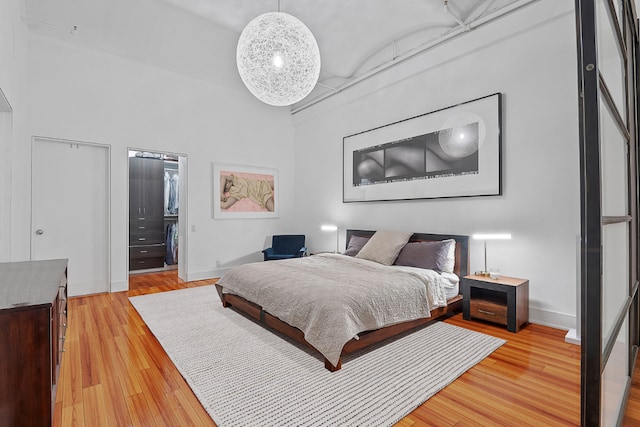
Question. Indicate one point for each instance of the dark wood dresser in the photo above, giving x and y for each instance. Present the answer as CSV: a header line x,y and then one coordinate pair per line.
x,y
146,213
33,321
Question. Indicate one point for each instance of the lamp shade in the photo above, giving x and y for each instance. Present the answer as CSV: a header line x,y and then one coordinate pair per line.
x,y
332,227
494,236
278,59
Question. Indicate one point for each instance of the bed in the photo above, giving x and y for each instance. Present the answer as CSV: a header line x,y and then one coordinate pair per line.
x,y
338,304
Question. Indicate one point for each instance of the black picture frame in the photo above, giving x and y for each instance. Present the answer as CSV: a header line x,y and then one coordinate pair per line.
x,y
451,152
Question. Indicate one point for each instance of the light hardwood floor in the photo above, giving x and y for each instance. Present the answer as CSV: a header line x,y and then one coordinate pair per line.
x,y
115,373
632,414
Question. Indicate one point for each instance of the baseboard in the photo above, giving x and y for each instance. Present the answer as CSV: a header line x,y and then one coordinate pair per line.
x,y
552,318
123,285
119,286
572,337
204,275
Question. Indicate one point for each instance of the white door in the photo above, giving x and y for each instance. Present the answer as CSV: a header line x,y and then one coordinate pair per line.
x,y
70,210
6,149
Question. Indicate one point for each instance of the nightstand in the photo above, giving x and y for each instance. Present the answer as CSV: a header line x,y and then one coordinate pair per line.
x,y
504,300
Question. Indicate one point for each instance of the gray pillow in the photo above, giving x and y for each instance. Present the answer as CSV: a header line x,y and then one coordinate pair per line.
x,y
384,246
355,244
439,256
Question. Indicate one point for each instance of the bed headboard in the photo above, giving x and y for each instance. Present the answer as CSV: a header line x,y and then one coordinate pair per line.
x,y
461,267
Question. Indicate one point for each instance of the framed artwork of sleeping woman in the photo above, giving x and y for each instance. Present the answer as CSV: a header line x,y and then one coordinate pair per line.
x,y
244,191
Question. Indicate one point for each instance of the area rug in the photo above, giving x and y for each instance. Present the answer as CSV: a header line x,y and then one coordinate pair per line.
x,y
246,375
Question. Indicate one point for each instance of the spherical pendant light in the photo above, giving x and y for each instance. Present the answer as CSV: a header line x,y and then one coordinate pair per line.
x,y
278,59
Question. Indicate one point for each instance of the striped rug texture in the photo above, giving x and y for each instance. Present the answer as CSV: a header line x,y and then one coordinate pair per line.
x,y
245,375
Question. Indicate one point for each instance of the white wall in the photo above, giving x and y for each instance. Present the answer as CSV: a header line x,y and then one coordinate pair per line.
x,y
13,84
530,57
13,52
85,95
80,94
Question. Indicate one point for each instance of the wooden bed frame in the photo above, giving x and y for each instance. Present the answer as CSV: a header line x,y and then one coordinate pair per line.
x,y
365,339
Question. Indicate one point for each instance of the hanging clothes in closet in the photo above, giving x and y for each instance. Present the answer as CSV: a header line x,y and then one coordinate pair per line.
x,y
171,182
171,244
171,178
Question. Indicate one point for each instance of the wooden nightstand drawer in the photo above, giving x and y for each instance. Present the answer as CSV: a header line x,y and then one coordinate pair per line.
x,y
504,301
489,310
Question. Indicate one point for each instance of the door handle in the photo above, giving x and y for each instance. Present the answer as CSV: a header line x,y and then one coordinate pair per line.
x,y
39,231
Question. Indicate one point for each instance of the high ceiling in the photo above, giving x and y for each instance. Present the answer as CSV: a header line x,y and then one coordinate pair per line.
x,y
198,37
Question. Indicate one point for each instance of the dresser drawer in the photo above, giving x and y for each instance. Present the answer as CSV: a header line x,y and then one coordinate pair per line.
x,y
489,310
146,238
148,251
146,232
140,264
62,333
62,306
62,290
145,224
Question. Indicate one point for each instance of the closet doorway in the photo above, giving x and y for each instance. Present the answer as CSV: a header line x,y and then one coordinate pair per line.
x,y
157,214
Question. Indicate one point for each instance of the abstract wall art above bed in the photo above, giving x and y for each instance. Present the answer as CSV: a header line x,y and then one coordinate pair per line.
x,y
244,191
452,152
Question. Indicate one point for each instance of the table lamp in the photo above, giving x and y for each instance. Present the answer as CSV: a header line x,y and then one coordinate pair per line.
x,y
485,237
331,227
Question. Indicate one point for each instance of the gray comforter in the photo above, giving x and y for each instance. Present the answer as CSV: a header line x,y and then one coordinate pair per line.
x,y
332,297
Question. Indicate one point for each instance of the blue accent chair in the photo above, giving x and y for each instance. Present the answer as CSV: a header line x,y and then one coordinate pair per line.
x,y
285,246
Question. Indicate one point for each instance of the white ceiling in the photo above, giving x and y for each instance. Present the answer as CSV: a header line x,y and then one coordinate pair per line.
x,y
198,37
348,31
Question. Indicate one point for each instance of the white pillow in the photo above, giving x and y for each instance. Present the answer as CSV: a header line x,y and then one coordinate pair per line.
x,y
451,259
384,246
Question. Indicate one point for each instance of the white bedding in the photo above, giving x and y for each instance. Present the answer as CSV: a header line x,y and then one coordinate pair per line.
x,y
450,281
451,284
333,297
